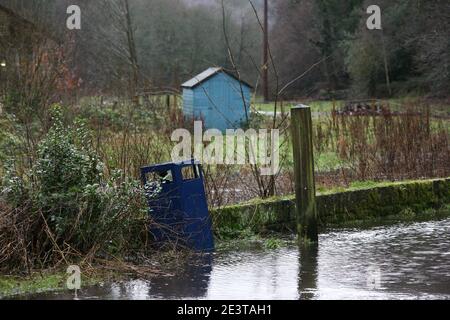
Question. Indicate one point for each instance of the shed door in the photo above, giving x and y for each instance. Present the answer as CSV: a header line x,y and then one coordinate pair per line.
x,y
217,111
226,113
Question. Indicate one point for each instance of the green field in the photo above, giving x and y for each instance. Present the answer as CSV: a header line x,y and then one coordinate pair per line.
x,y
437,108
316,106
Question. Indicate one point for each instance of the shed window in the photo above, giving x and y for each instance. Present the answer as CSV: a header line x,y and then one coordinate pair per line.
x,y
160,176
190,172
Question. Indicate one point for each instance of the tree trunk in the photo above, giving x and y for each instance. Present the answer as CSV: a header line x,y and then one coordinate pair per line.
x,y
134,82
265,71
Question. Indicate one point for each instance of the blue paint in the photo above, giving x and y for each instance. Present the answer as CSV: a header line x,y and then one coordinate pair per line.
x,y
217,99
180,211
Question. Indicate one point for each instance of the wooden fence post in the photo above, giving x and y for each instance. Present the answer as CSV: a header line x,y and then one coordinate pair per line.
x,y
305,192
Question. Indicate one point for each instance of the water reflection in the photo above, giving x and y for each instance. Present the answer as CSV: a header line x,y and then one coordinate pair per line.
x,y
308,271
191,282
397,262
255,274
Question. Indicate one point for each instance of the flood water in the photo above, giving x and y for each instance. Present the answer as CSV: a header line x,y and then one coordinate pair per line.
x,y
396,262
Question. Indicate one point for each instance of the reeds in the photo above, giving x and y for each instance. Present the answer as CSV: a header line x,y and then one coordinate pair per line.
x,y
406,145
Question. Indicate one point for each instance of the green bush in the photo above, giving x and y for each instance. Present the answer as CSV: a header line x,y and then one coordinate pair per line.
x,y
67,196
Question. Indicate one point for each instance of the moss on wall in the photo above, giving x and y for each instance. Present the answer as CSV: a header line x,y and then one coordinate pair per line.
x,y
385,203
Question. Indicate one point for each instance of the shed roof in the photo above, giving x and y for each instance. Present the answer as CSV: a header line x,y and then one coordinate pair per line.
x,y
208,73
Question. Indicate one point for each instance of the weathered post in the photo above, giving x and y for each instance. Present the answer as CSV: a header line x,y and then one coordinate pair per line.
x,y
305,192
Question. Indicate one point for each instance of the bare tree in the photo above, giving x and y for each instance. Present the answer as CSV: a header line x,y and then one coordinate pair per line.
x,y
266,52
109,38
266,186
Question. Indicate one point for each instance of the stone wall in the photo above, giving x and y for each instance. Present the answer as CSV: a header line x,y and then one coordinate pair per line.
x,y
387,203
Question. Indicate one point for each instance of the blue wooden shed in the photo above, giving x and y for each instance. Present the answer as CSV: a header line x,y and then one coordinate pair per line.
x,y
215,96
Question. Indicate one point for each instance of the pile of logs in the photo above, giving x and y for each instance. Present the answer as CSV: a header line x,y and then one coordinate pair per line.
x,y
364,108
